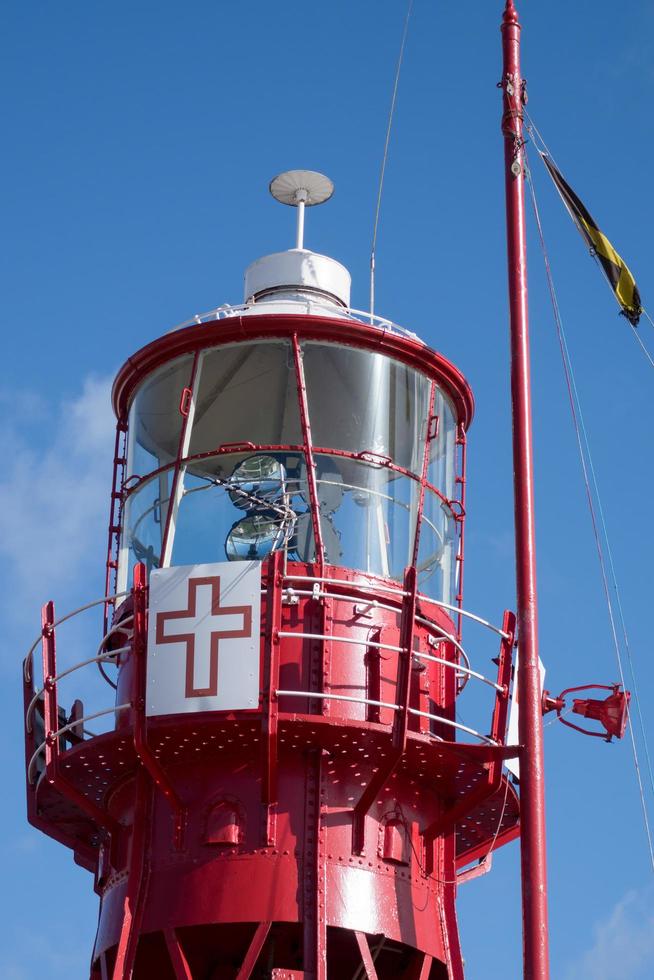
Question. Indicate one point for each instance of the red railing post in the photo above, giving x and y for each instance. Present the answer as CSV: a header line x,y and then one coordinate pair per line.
x,y
50,706
532,777
504,666
270,702
401,720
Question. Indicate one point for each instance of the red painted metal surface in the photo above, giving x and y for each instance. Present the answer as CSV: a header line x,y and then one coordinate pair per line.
x,y
533,850
115,511
162,909
612,712
323,832
308,451
353,333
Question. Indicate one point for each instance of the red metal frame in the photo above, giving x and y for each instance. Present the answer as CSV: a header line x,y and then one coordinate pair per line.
x,y
365,456
352,333
308,452
184,402
143,750
299,782
429,437
254,950
400,721
270,703
115,512
137,897
533,848
461,483
468,801
177,958
53,772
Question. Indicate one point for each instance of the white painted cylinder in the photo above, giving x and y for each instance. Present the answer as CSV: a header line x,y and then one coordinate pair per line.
x,y
297,271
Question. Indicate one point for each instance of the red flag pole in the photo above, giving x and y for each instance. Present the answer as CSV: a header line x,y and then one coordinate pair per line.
x,y
532,783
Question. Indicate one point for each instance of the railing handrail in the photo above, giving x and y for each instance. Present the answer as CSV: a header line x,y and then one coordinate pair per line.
x,y
397,591
51,737
226,310
69,670
357,641
385,704
70,615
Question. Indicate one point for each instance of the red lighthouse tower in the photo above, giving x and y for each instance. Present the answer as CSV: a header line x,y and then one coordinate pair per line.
x,y
284,788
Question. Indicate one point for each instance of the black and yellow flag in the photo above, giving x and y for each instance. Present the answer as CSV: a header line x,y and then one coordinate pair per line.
x,y
620,278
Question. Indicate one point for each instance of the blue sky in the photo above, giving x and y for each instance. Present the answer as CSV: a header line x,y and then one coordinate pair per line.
x,y
140,139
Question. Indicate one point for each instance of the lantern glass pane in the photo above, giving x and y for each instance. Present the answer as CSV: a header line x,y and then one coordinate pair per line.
x,y
364,402
246,393
442,450
144,521
437,551
155,419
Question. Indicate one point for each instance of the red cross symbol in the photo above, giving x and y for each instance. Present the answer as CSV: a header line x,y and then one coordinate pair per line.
x,y
215,610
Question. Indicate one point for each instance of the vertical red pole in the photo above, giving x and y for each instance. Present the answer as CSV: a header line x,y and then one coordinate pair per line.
x,y
532,783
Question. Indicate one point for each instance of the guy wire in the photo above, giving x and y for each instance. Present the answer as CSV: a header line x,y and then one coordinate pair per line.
x,y
385,157
577,417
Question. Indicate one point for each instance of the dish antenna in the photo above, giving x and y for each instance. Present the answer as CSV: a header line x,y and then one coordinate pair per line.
x,y
300,189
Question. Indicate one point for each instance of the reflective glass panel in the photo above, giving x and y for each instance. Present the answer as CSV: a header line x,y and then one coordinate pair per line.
x,y
240,507
246,393
366,402
367,515
155,421
437,551
442,451
144,521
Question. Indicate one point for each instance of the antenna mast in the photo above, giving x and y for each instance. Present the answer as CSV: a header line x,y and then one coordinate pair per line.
x,y
300,189
532,783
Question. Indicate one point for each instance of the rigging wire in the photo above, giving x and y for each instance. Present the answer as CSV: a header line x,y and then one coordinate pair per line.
x,y
533,130
385,157
579,426
537,138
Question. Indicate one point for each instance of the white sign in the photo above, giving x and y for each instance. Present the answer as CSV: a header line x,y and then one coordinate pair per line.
x,y
204,629
512,734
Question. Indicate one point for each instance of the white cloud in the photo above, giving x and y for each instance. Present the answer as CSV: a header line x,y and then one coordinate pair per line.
x,y
54,495
624,942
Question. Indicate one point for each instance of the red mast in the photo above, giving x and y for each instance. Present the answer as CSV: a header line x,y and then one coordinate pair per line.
x,y
532,782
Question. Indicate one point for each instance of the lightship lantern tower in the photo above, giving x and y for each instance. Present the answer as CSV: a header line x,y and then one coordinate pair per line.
x,y
284,789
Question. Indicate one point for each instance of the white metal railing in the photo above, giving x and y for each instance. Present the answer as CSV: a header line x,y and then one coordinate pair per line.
x,y
102,656
318,590
400,593
64,673
63,619
69,726
226,311
463,671
375,604
386,704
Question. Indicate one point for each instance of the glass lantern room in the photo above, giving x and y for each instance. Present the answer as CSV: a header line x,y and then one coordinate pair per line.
x,y
320,449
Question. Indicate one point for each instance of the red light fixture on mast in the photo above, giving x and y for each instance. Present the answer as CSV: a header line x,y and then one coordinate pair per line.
x,y
612,713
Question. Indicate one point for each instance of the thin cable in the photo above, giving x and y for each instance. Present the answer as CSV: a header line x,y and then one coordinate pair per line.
x,y
572,391
535,132
455,881
385,157
532,129
642,343
537,138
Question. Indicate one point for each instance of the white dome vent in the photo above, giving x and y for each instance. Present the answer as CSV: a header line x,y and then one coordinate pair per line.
x,y
295,273
299,275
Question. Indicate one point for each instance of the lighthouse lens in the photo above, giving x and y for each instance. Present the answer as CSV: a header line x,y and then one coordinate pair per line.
x,y
257,480
253,538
